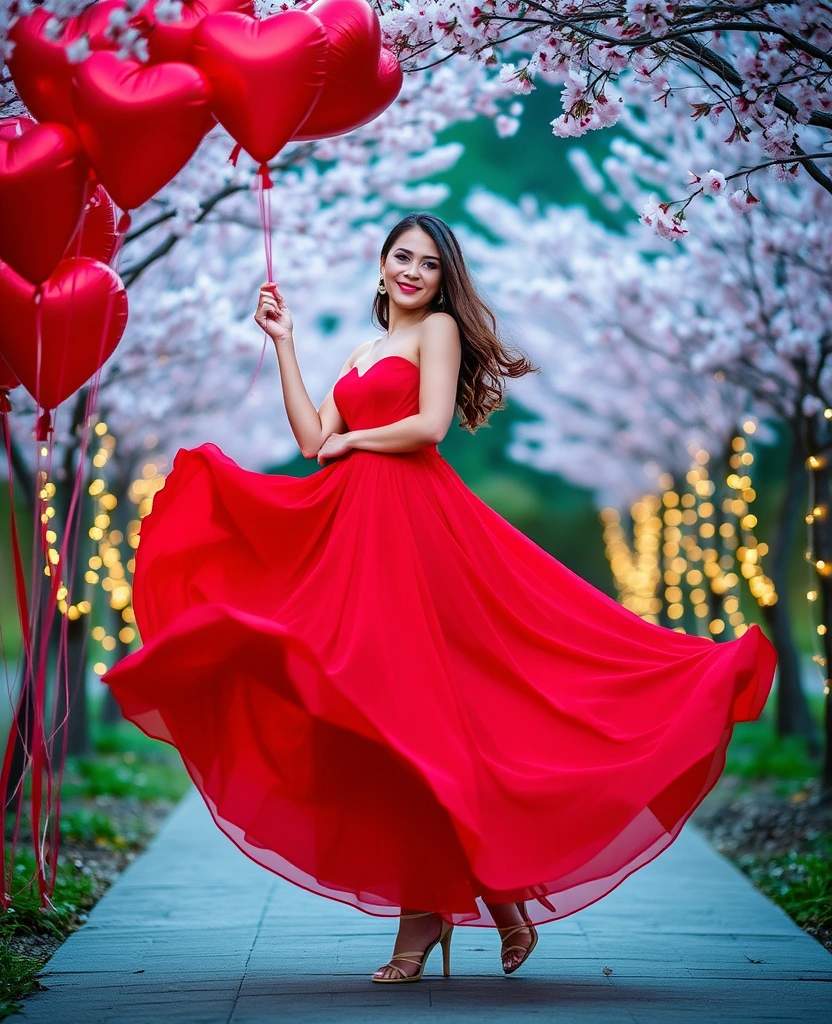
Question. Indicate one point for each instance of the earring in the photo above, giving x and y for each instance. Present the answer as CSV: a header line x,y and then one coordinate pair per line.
x,y
381,289
441,302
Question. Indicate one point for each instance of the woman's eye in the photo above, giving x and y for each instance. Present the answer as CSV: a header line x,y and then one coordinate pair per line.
x,y
430,266
401,256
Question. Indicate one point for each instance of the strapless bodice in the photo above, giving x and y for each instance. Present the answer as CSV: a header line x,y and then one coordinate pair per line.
x,y
386,392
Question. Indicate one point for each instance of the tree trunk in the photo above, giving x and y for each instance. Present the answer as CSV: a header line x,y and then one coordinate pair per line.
x,y
793,716
817,438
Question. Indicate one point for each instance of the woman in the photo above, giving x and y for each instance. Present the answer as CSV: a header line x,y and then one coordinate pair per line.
x,y
385,692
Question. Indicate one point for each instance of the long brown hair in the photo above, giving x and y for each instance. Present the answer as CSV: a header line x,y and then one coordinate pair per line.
x,y
486,361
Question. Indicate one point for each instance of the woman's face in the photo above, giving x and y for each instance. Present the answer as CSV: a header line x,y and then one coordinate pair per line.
x,y
412,271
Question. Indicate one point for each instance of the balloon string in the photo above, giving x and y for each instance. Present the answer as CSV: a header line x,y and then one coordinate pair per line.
x,y
265,198
14,739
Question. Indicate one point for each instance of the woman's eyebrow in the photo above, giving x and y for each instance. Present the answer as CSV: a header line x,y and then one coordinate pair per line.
x,y
401,248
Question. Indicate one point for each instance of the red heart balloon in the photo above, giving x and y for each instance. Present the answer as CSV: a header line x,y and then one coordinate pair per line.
x,y
83,316
168,41
96,235
139,125
362,78
43,180
39,66
266,75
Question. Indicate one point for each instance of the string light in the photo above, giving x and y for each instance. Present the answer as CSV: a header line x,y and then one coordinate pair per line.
x,y
105,568
635,572
699,554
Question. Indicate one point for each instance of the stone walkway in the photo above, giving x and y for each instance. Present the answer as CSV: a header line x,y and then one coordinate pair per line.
x,y
195,933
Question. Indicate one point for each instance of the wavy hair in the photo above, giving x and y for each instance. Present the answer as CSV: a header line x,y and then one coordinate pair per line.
x,y
486,361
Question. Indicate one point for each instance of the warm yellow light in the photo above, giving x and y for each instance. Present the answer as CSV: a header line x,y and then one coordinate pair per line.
x,y
822,629
812,595
716,626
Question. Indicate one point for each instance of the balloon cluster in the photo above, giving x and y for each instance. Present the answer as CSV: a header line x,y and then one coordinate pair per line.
x,y
112,130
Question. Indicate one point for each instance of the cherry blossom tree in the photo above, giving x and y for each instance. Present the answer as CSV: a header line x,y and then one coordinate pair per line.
x,y
761,71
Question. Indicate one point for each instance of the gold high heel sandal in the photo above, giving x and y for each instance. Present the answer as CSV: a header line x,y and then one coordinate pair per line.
x,y
444,937
516,928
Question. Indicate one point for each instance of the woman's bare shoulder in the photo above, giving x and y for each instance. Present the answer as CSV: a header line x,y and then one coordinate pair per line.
x,y
442,321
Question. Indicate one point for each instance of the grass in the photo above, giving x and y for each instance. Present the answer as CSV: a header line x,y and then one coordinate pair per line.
x,y
801,883
25,919
126,764
756,752
123,775
17,977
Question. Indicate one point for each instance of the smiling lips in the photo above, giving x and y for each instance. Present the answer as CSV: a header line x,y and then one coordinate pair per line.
x,y
408,289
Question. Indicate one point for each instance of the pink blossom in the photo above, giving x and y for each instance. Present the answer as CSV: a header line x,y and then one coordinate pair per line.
x,y
742,200
506,126
655,215
714,183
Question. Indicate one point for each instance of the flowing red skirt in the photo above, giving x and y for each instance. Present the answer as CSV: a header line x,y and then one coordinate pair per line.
x,y
390,696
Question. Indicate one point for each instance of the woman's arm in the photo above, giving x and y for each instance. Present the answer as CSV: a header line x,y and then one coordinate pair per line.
x,y
309,425
440,356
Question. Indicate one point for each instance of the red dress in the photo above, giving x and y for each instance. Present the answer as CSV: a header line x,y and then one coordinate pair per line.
x,y
390,696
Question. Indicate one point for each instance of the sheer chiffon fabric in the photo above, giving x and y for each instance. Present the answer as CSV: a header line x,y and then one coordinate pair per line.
x,y
393,698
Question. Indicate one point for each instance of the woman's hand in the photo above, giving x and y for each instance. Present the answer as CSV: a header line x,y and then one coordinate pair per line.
x,y
335,445
273,314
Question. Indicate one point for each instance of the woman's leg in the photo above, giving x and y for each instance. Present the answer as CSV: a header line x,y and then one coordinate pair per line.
x,y
414,933
506,915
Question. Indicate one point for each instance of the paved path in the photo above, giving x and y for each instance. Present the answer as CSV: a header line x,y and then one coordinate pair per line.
x,y
195,933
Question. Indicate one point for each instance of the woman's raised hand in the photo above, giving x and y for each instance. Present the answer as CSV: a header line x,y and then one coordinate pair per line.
x,y
273,314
